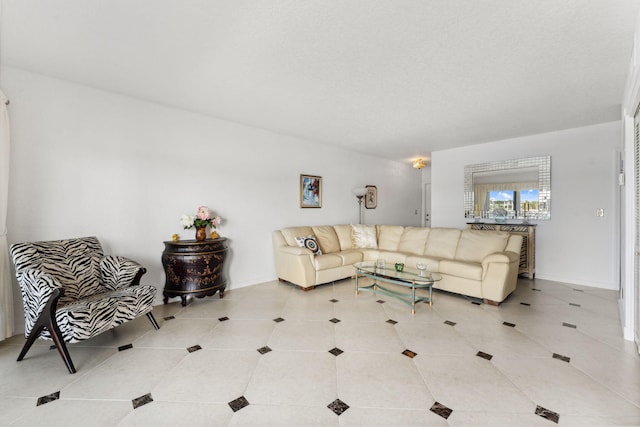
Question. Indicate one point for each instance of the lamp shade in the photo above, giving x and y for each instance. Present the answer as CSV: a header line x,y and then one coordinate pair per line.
x,y
360,192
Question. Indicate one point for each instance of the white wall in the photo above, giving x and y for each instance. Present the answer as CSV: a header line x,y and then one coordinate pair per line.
x,y
574,246
88,162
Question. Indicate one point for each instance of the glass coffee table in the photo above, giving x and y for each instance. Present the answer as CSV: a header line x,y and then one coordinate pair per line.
x,y
409,278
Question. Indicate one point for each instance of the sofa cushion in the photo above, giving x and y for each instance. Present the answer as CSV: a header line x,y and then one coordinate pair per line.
x,y
343,231
413,240
324,262
310,243
468,270
327,238
442,242
349,257
389,237
474,245
364,236
290,234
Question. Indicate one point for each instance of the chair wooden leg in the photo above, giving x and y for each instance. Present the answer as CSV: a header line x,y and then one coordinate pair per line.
x,y
47,320
153,320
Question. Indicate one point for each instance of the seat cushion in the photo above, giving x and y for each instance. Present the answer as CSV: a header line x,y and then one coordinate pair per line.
x,y
93,315
350,257
324,262
467,270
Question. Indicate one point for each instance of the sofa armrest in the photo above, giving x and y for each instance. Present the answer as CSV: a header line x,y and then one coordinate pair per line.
x,y
293,264
37,289
119,272
503,257
499,275
294,250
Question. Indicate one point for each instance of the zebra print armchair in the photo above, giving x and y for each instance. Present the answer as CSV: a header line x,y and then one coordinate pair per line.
x,y
72,292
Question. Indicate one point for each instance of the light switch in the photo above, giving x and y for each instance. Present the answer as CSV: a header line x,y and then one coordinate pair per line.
x,y
600,212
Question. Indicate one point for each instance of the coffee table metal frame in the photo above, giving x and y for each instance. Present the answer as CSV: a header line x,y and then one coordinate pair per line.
x,y
409,278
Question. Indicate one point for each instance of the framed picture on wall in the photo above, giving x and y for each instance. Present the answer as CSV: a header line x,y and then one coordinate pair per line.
x,y
371,198
310,191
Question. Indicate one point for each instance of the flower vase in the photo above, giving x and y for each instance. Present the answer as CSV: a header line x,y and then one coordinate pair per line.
x,y
201,233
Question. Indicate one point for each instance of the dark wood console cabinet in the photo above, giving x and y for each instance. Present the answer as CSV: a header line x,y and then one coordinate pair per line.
x,y
194,268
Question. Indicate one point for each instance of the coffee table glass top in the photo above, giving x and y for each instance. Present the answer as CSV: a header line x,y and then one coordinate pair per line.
x,y
408,274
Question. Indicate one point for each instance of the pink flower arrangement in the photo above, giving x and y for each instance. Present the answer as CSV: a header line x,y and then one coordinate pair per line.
x,y
202,218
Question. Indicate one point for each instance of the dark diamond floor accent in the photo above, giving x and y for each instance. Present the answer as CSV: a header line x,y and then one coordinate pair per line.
x,y
142,400
536,289
410,353
525,303
278,319
391,322
223,319
440,409
574,304
334,320
169,317
547,414
336,351
579,290
475,303
484,355
264,350
238,403
194,348
511,325
381,301
333,300
450,323
52,347
569,325
338,406
48,398
561,357
125,347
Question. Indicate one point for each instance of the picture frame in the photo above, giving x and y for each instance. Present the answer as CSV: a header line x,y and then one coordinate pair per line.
x,y
310,191
371,198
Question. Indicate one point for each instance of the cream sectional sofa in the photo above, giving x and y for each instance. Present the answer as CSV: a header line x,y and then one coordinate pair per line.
x,y
480,264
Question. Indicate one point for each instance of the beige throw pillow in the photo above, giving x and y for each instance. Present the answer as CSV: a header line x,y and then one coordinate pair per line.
x,y
364,236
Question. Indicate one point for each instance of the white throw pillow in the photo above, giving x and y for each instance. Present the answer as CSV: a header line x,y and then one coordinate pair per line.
x,y
309,242
364,236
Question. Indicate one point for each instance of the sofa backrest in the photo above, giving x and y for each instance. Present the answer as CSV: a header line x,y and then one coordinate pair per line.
x,y
474,245
413,240
75,263
290,234
389,237
343,231
442,242
327,238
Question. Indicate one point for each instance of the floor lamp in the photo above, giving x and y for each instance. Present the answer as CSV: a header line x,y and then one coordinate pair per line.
x,y
359,193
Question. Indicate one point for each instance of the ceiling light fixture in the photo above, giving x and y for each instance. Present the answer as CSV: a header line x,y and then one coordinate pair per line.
x,y
419,163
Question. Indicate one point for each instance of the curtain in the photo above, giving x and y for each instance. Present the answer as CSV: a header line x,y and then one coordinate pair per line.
x,y
6,284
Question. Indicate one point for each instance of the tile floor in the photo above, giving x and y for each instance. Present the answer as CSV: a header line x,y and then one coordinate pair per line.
x,y
273,355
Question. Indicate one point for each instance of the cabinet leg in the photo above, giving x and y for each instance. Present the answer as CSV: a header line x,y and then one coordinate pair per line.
x,y
221,293
184,300
165,299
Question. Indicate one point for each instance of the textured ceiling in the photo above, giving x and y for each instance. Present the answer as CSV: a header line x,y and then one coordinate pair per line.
x,y
395,79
